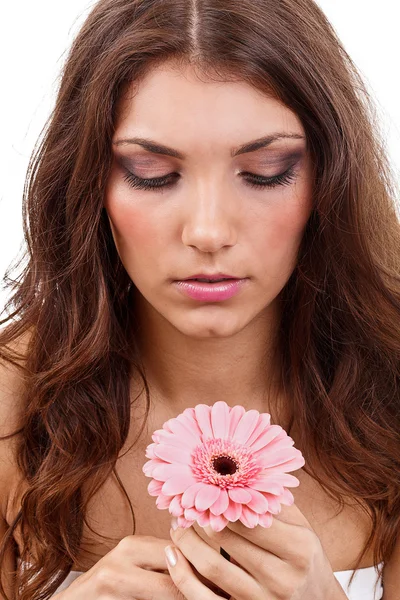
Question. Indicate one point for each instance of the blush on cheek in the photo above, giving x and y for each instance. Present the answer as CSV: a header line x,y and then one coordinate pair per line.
x,y
286,229
133,229
132,224
137,242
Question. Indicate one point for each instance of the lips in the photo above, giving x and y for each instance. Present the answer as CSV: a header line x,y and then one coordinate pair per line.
x,y
211,292
205,280
207,277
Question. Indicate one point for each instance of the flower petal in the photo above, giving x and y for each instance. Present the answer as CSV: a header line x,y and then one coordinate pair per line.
x,y
292,464
233,511
154,487
248,517
166,425
192,514
265,438
182,522
188,419
263,423
175,508
220,419
190,494
274,503
221,503
150,465
150,451
181,429
155,434
206,496
265,520
235,415
246,426
266,485
177,484
203,418
204,518
258,502
172,454
171,439
168,470
190,415
217,522
276,457
163,501
282,440
286,498
239,495
278,443
282,479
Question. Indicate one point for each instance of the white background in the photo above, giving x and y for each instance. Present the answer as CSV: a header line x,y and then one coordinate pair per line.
x,y
36,36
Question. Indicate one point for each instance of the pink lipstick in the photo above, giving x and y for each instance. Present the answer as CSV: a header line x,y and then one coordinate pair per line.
x,y
210,292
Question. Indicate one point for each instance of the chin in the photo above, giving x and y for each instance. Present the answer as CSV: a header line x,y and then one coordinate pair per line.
x,y
219,326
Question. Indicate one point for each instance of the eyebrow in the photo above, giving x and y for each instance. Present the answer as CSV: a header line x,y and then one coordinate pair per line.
x,y
252,146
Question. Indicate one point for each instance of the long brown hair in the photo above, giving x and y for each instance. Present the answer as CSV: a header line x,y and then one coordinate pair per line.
x,y
340,332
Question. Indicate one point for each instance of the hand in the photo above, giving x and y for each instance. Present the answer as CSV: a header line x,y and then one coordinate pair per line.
x,y
285,561
135,569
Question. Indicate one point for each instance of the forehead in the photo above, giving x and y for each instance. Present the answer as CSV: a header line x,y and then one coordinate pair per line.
x,y
176,102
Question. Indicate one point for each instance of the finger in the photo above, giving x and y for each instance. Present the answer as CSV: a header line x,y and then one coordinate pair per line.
x,y
292,514
142,584
184,577
257,562
146,552
284,538
212,565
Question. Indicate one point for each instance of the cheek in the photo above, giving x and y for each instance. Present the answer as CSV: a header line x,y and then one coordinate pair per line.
x,y
287,229
135,230
137,241
281,231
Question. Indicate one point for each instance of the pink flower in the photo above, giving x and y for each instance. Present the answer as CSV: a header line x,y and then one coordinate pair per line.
x,y
214,464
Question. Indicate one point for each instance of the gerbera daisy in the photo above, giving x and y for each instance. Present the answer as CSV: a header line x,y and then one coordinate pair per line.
x,y
214,464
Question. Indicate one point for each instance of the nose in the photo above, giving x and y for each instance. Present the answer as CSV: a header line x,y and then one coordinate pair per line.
x,y
210,223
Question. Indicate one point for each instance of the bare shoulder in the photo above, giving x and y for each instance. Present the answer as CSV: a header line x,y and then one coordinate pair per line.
x,y
391,575
11,410
12,385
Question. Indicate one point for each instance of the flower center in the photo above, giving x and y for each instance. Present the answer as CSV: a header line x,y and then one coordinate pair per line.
x,y
224,465
224,462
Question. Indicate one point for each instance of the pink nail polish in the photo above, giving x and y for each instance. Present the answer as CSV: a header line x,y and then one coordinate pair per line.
x,y
171,556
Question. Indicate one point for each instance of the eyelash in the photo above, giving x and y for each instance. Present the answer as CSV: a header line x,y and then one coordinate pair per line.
x,y
255,181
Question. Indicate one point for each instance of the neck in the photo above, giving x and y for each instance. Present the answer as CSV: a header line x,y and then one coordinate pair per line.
x,y
183,370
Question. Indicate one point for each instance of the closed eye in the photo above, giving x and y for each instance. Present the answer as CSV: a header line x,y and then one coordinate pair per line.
x,y
167,181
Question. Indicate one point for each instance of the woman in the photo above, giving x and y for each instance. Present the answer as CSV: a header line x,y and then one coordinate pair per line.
x,y
219,139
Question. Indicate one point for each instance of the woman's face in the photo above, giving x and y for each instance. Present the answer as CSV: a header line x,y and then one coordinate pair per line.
x,y
210,218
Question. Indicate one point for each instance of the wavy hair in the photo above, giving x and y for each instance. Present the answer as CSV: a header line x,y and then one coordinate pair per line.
x,y
340,334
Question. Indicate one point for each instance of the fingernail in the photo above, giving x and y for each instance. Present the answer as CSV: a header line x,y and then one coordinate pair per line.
x,y
174,523
171,556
